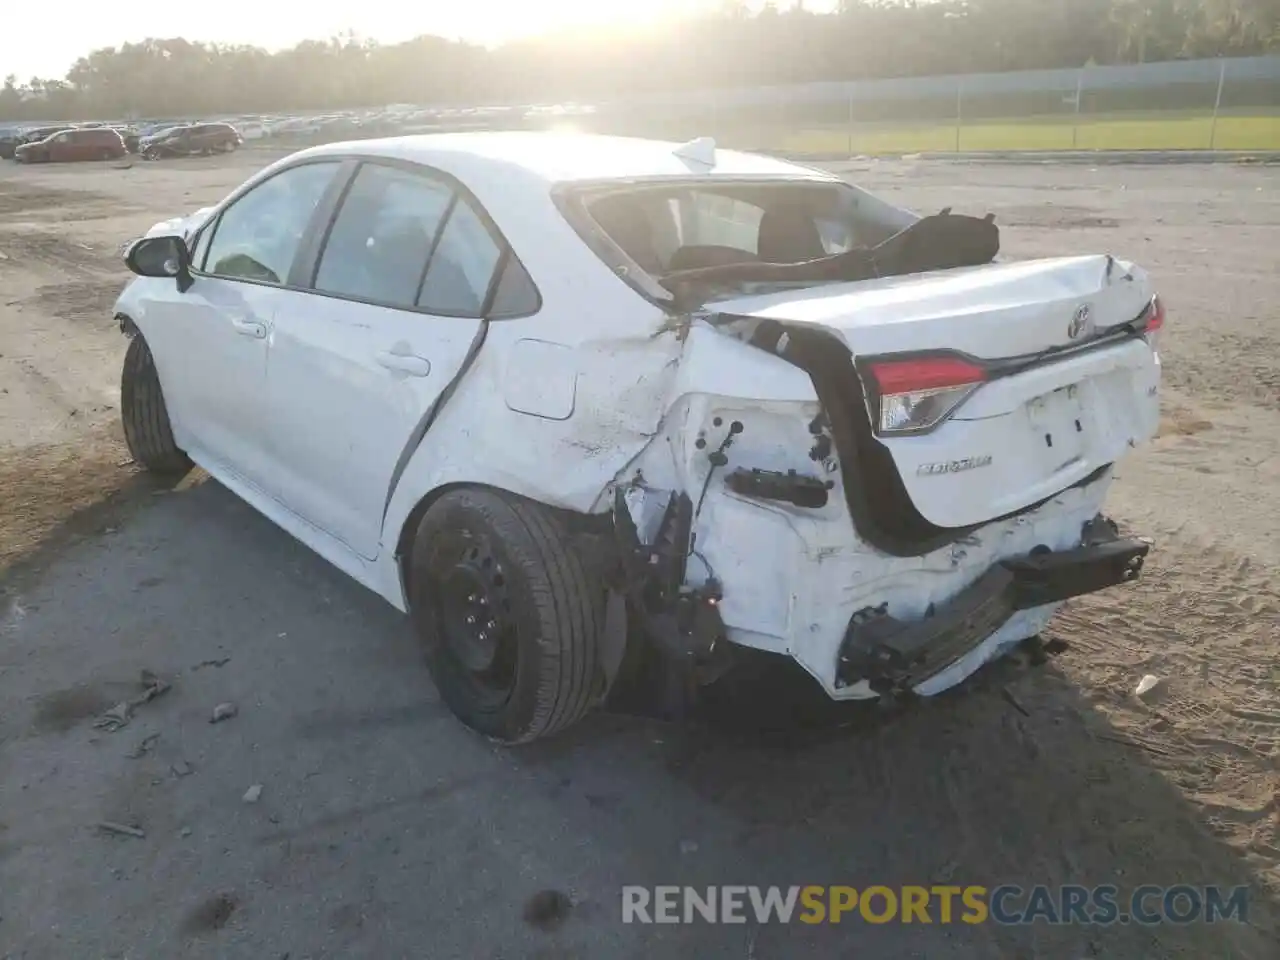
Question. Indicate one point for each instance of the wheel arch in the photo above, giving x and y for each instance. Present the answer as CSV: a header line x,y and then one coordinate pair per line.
x,y
126,324
593,530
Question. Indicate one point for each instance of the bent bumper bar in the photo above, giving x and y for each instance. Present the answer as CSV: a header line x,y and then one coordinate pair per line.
x,y
895,655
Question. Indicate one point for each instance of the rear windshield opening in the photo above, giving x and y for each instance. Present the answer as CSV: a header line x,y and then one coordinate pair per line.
x,y
670,229
687,243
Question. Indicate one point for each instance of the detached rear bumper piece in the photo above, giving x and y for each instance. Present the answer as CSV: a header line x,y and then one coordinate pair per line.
x,y
896,655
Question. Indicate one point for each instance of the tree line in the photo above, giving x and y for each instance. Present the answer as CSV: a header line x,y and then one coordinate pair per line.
x,y
736,46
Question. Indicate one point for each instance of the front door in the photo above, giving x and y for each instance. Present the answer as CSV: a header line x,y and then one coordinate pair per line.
x,y
355,368
211,351
211,342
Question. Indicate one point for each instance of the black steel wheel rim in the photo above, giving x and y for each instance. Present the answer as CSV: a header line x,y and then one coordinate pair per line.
x,y
472,606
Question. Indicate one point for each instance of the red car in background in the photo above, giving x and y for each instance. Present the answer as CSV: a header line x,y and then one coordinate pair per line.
x,y
93,143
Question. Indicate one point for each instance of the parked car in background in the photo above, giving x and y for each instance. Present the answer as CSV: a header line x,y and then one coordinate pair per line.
x,y
150,132
130,137
14,139
95,143
198,138
10,137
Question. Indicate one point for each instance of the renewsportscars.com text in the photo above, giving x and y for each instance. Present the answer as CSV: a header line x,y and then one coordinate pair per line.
x,y
1006,904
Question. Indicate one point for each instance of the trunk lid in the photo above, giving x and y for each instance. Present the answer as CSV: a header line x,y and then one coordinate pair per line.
x,y
1060,399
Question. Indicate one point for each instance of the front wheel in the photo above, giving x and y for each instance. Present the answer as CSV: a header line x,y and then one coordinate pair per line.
x,y
143,413
508,614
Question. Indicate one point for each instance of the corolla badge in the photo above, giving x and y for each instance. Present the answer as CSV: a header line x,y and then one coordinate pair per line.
x,y
1081,324
953,466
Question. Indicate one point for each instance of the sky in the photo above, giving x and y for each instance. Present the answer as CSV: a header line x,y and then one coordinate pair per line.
x,y
50,36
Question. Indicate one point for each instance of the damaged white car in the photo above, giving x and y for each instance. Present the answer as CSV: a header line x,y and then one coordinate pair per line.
x,y
577,403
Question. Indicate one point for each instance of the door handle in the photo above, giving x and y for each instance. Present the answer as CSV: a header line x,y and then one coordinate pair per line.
x,y
249,328
414,366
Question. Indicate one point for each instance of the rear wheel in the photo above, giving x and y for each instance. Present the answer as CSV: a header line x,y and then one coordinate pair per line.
x,y
144,415
508,614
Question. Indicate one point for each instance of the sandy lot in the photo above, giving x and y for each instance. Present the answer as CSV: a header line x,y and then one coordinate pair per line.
x,y
384,829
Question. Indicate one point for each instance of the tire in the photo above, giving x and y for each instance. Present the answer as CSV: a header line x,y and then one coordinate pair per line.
x,y
144,416
484,553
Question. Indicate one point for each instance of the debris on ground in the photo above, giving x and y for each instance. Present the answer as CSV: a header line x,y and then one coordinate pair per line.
x,y
180,768
688,846
253,794
944,873
108,826
221,662
224,711
144,746
1013,701
120,715
1147,684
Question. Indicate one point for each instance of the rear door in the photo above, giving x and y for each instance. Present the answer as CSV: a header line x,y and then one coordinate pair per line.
x,y
403,280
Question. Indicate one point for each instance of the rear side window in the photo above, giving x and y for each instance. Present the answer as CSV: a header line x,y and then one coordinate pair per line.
x,y
515,294
383,235
462,266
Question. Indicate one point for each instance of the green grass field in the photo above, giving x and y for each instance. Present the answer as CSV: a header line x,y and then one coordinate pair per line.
x,y
1172,131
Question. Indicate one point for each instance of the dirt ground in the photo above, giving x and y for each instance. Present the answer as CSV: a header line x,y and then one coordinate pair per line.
x,y
384,829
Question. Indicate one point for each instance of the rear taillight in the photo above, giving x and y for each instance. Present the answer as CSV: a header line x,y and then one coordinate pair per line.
x,y
1155,322
914,396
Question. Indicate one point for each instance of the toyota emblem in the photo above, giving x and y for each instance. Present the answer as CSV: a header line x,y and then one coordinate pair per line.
x,y
1081,322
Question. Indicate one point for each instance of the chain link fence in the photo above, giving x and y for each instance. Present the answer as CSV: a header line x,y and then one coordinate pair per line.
x,y
1226,104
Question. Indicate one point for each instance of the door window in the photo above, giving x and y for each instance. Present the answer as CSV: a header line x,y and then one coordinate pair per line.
x,y
258,236
382,237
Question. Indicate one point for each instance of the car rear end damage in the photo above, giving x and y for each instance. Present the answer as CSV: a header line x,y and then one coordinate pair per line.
x,y
883,559
795,578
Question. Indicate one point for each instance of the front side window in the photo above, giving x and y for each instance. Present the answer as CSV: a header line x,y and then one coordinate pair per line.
x,y
383,235
259,235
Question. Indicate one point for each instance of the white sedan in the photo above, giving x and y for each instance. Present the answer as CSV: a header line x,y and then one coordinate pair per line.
x,y
580,403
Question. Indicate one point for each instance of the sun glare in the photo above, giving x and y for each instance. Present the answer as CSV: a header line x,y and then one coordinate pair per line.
x,y
49,43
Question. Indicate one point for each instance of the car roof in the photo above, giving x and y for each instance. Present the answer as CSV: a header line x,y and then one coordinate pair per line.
x,y
555,158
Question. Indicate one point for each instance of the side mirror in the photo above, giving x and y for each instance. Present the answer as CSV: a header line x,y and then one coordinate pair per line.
x,y
166,256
